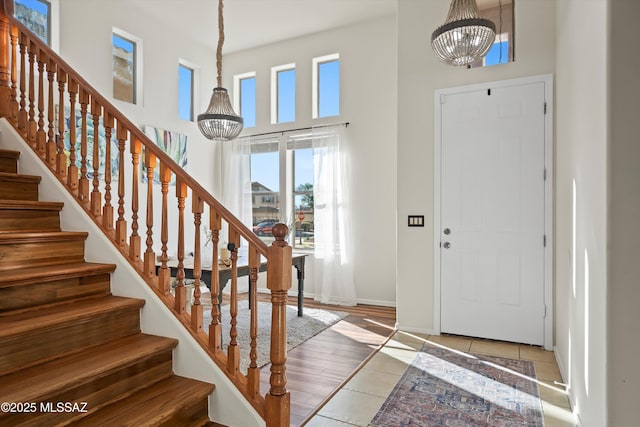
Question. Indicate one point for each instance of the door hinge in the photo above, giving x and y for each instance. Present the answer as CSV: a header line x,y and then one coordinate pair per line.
x,y
544,240
544,310
443,99
545,108
544,175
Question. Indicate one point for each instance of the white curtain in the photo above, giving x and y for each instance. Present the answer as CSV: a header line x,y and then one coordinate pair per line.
x,y
236,182
333,268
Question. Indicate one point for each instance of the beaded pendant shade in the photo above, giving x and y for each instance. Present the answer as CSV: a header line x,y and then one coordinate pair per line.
x,y
219,122
464,37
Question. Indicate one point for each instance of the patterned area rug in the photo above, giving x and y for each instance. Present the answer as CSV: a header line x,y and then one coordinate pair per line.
x,y
299,329
447,388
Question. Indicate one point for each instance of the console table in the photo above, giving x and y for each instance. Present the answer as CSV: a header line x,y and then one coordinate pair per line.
x,y
224,274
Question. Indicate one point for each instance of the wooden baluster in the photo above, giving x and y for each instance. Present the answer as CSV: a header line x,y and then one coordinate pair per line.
x,y
96,196
253,373
197,313
5,89
41,136
51,142
180,290
134,241
215,329
31,125
72,174
233,351
278,399
164,274
83,187
149,255
14,76
61,157
121,224
107,210
22,113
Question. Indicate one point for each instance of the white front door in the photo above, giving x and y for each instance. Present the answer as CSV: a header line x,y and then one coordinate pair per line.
x,y
492,213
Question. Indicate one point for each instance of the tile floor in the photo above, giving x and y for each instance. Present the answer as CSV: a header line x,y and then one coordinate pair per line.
x,y
359,400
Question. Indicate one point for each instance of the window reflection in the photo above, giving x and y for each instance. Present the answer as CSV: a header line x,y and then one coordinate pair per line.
x,y
501,12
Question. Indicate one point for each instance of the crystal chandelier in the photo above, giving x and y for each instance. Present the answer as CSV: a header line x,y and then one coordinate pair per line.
x,y
464,37
220,122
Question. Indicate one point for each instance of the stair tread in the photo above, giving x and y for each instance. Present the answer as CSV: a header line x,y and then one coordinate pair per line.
x,y
150,406
30,205
39,382
52,272
35,236
25,321
100,361
9,153
18,177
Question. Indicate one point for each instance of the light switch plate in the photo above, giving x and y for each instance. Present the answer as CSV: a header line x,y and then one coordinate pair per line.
x,y
416,221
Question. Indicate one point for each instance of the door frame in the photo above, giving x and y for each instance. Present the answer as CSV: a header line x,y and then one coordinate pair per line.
x,y
547,80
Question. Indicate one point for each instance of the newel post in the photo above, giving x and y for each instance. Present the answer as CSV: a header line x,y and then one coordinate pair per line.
x,y
278,400
6,10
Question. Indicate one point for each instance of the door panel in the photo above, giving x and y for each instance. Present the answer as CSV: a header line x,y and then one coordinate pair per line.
x,y
492,200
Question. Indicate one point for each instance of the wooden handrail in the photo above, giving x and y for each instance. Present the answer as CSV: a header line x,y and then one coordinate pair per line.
x,y
36,86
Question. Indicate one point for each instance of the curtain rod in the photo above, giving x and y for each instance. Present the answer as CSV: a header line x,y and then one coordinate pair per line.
x,y
282,132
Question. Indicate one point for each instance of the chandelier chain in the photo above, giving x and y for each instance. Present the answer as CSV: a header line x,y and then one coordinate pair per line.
x,y
220,43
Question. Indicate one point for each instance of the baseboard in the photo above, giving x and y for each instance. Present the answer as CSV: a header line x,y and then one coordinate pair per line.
x,y
377,302
293,293
564,375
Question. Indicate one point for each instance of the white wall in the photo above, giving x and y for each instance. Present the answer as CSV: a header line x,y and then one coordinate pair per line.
x,y
368,80
623,192
581,157
419,75
85,43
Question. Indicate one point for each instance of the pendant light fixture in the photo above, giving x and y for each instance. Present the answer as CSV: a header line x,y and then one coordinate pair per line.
x,y
220,122
464,37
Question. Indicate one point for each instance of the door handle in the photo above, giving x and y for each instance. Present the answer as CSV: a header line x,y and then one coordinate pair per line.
x,y
446,245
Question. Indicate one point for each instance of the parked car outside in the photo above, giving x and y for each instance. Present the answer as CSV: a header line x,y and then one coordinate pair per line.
x,y
264,228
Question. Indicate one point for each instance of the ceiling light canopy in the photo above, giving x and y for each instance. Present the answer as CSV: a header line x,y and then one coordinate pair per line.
x,y
464,37
219,122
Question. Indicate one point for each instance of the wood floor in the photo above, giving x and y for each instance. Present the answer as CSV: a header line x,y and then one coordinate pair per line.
x,y
318,367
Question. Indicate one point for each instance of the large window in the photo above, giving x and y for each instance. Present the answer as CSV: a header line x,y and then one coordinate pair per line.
x,y
126,66
244,102
283,94
185,92
326,86
282,187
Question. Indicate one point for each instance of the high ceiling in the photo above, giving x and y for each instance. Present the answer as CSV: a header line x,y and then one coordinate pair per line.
x,y
250,23
266,21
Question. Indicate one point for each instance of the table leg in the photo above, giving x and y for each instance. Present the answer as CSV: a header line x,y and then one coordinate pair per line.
x,y
300,289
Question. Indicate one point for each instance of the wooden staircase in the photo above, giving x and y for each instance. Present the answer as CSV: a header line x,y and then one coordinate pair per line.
x,y
70,352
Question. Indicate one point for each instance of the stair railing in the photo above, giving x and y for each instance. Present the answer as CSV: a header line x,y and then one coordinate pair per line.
x,y
52,106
